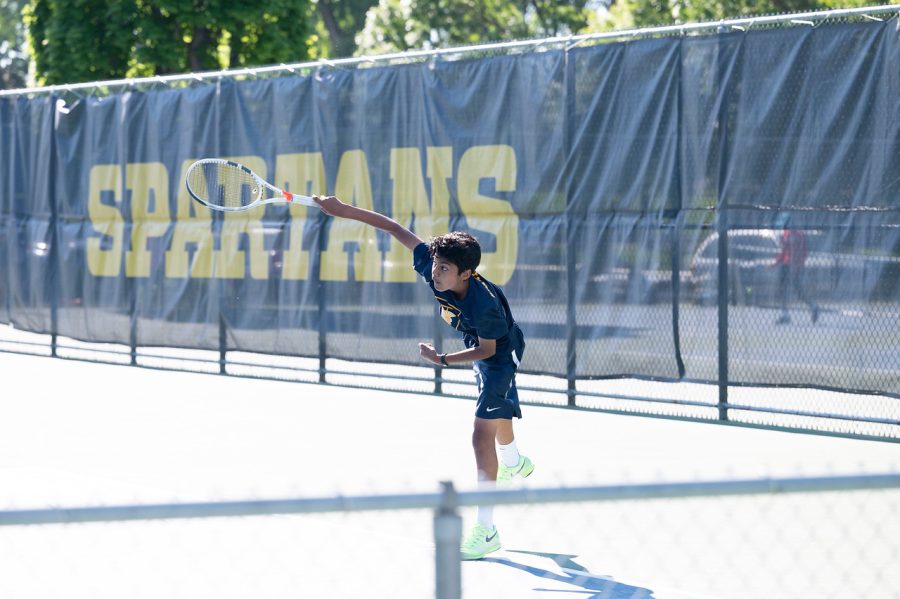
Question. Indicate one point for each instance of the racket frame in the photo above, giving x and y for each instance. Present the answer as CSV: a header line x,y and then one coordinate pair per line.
x,y
280,196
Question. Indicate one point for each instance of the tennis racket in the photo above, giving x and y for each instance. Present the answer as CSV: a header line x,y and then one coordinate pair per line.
x,y
231,187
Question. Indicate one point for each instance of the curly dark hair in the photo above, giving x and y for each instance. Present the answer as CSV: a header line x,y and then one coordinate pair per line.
x,y
458,248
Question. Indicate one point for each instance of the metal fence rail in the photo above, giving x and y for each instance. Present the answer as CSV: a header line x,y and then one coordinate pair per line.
x,y
447,523
688,402
448,499
569,41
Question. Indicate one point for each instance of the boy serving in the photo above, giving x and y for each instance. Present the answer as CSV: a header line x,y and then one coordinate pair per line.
x,y
494,344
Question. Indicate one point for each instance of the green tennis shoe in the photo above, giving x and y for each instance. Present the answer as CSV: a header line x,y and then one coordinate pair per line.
x,y
479,542
520,470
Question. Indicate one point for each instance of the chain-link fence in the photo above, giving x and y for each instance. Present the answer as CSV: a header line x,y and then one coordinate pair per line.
x,y
712,205
802,537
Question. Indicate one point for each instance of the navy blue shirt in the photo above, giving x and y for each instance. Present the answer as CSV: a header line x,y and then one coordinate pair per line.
x,y
483,312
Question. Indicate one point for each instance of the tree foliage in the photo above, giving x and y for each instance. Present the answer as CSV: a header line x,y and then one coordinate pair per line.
x,y
84,40
396,25
13,58
338,22
80,40
647,13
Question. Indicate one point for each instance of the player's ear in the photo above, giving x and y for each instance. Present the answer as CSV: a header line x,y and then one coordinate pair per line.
x,y
465,274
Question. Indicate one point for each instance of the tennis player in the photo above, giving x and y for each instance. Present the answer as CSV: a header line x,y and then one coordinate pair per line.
x,y
494,343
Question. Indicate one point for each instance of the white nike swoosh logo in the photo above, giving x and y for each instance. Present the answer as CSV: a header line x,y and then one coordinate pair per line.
x,y
492,409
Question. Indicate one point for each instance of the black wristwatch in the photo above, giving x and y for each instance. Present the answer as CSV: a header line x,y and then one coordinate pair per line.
x,y
443,359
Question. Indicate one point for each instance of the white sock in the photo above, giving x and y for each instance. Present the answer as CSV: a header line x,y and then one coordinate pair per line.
x,y
486,512
509,454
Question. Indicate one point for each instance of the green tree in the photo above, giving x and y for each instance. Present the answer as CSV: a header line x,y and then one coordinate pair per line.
x,y
85,40
647,13
198,35
396,25
338,23
79,40
13,57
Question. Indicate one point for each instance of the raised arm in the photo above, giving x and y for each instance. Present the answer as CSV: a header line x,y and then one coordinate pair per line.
x,y
333,206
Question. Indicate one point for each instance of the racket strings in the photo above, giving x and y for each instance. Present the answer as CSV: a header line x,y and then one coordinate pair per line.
x,y
223,184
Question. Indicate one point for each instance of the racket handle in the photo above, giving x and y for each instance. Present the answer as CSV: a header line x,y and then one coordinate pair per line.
x,y
298,199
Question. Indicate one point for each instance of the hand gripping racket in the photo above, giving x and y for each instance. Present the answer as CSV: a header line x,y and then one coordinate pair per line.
x,y
232,187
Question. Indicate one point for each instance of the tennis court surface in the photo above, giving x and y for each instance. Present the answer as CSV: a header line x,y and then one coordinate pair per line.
x,y
82,434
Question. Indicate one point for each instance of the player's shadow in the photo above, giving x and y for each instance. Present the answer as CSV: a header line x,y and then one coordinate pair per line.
x,y
591,585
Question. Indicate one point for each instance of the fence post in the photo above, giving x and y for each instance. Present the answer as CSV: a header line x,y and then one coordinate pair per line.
x,y
677,216
570,233
320,297
676,292
722,310
722,229
55,238
223,339
447,537
438,326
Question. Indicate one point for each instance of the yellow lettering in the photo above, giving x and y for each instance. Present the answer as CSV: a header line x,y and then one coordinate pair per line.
x,y
230,259
192,228
411,200
106,220
353,186
146,180
303,174
491,214
420,201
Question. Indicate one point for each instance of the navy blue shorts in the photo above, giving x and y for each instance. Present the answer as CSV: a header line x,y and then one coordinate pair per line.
x,y
497,394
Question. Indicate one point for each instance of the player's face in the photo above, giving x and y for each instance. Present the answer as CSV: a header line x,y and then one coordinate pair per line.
x,y
446,276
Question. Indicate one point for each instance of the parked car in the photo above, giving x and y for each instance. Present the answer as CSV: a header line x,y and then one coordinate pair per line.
x,y
828,273
752,270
